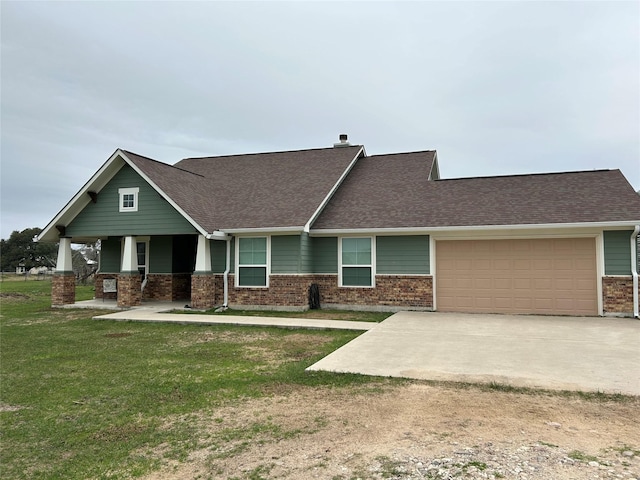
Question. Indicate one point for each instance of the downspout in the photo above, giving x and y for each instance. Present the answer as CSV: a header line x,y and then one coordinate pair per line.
x,y
225,304
634,268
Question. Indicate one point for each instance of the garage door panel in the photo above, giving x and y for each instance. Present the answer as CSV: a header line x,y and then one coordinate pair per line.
x,y
550,276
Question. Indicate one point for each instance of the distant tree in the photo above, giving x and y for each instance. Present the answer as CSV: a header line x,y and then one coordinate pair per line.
x,y
85,260
20,249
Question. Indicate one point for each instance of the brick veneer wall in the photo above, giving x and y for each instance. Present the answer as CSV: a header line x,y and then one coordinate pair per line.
x,y
129,293
617,294
63,289
203,291
159,287
181,287
99,293
165,287
293,290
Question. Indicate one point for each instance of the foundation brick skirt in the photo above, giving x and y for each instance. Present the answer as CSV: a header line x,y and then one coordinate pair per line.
x,y
203,291
99,286
400,291
617,294
63,289
129,293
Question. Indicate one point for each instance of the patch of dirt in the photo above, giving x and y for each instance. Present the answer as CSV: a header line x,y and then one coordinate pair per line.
x,y
14,295
4,407
118,335
396,432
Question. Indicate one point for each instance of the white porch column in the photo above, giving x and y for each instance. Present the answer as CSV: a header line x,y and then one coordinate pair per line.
x,y
129,255
64,263
203,255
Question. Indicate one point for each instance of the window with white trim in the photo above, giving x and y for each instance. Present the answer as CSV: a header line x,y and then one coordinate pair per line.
x,y
356,262
128,199
252,259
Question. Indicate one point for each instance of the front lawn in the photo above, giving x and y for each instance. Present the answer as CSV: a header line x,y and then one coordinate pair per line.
x,y
87,399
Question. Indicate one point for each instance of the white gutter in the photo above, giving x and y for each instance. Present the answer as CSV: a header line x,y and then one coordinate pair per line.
x,y
462,228
276,230
216,235
634,268
225,276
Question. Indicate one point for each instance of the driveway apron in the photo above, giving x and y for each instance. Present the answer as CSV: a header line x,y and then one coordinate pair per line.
x,y
561,353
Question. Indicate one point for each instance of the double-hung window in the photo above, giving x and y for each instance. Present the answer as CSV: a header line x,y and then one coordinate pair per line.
x,y
128,199
356,262
252,262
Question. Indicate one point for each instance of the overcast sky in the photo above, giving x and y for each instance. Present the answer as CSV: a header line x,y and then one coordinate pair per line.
x,y
496,88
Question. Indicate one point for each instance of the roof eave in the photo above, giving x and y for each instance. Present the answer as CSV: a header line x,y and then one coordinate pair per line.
x,y
81,199
262,230
474,228
96,183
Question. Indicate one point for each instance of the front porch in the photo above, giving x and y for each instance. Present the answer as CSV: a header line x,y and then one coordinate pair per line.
x,y
156,306
141,271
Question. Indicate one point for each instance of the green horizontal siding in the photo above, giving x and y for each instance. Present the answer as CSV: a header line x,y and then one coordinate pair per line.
x,y
285,254
617,252
306,257
160,254
110,255
219,256
324,254
407,255
155,216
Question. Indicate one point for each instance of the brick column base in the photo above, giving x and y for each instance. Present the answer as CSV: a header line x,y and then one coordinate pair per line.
x,y
617,295
129,293
63,289
203,291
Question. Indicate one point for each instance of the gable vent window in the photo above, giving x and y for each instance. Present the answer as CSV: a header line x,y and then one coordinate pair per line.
x,y
128,199
252,262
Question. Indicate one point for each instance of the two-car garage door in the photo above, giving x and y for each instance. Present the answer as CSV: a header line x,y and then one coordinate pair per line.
x,y
545,276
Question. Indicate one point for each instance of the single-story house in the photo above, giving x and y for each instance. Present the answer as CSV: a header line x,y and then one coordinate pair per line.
x,y
370,231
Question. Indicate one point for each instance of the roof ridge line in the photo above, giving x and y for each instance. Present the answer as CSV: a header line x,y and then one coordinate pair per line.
x,y
265,153
528,174
162,163
401,153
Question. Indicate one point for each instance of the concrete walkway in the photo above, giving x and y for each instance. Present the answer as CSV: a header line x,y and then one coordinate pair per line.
x,y
157,313
565,353
561,353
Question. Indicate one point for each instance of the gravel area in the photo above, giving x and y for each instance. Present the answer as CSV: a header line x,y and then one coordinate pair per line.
x,y
416,431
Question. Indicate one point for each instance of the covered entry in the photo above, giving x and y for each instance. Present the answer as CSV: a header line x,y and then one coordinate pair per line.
x,y
544,276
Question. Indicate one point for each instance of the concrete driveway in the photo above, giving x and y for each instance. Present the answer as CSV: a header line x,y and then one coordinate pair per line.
x,y
565,353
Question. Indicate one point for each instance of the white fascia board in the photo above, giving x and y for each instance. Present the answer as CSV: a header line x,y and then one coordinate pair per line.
x,y
434,168
273,230
195,224
81,199
335,187
475,228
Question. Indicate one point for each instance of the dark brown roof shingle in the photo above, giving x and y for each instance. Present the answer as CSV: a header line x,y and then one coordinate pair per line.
x,y
392,192
266,190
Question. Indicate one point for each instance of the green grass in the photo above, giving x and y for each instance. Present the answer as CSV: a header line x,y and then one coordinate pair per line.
x,y
581,456
350,315
87,399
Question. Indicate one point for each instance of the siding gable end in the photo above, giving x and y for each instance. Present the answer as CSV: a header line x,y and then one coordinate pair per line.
x,y
154,216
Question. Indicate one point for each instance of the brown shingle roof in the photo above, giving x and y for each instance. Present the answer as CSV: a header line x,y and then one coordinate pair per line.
x,y
266,190
392,192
